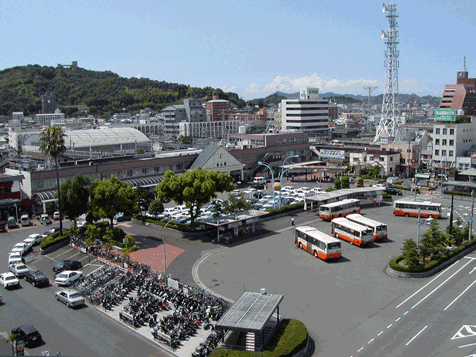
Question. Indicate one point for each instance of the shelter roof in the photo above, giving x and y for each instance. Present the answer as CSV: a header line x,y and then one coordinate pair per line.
x,y
102,137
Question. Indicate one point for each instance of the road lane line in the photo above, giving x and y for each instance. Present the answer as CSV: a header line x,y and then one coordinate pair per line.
x,y
389,326
372,340
465,290
380,333
360,349
398,319
452,275
471,272
406,312
403,302
64,252
423,329
472,344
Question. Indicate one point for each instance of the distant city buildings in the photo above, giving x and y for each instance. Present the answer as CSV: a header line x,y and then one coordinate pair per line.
x,y
48,103
45,119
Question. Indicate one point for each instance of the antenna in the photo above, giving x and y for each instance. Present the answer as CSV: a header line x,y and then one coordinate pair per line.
x,y
369,89
464,64
389,125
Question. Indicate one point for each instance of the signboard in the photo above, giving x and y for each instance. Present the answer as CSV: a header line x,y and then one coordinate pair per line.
x,y
171,283
445,115
332,154
9,200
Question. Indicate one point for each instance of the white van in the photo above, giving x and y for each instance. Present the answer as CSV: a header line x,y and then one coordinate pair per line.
x,y
25,220
260,180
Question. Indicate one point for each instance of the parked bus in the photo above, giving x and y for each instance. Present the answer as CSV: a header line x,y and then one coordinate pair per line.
x,y
410,208
319,244
351,231
379,229
339,209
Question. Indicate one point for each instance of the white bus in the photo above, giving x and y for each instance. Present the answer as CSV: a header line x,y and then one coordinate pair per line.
x,y
411,208
351,231
379,229
315,242
339,209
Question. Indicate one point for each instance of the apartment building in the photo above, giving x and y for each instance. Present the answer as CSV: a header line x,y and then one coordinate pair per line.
x,y
45,119
460,96
217,109
308,113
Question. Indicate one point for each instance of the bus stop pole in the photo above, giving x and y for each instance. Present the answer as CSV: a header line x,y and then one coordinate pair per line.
x,y
471,221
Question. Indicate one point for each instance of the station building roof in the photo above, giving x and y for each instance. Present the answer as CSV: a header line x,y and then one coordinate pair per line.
x,y
103,137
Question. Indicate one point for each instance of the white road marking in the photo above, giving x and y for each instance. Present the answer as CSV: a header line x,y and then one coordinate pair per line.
x,y
389,326
64,252
465,290
4,334
360,349
398,319
406,312
470,258
75,254
425,286
465,331
372,340
423,329
440,285
380,333
472,344
471,272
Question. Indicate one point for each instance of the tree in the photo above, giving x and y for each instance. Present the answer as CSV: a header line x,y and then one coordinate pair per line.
x,y
433,240
345,182
75,195
51,142
110,197
236,203
337,184
129,245
142,198
410,253
196,188
156,207
93,233
360,182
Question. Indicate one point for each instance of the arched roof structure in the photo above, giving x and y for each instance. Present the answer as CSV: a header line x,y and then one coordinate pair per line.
x,y
102,137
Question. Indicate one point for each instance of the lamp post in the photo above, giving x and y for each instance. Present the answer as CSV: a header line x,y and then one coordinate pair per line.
x,y
165,254
282,174
260,163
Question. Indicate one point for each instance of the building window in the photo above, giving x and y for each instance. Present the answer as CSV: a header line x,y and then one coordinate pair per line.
x,y
437,152
452,132
452,142
445,131
450,153
391,158
381,158
156,169
443,142
129,173
443,152
144,171
437,141
437,131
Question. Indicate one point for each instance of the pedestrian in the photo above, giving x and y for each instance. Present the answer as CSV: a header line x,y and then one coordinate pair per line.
x,y
292,221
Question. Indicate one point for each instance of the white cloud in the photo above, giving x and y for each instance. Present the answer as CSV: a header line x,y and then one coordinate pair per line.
x,y
253,88
139,76
229,89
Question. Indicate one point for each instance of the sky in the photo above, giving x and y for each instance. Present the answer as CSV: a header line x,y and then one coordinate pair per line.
x,y
252,48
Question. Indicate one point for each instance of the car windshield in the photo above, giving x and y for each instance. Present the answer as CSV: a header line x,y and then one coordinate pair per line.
x,y
74,296
10,278
21,266
62,276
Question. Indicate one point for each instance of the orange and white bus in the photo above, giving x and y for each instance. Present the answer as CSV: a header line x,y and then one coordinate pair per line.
x,y
339,209
411,208
351,231
315,242
379,229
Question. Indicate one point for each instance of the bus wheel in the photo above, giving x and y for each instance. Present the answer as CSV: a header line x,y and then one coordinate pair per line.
x,y
300,245
315,253
406,214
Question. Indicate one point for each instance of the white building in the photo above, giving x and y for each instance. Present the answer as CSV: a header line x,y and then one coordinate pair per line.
x,y
308,113
215,129
387,160
451,140
45,119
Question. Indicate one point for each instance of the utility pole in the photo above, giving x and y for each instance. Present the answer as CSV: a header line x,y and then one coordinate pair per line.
x,y
451,215
471,221
418,230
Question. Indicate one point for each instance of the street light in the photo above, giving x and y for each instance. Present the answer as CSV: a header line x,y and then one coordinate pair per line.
x,y
282,174
165,254
260,163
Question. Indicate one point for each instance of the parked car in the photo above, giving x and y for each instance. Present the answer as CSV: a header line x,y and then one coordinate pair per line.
x,y
11,222
37,278
51,231
68,277
9,280
56,215
28,334
3,226
69,297
25,246
14,258
18,269
34,238
120,217
393,191
80,224
17,250
25,220
45,219
66,265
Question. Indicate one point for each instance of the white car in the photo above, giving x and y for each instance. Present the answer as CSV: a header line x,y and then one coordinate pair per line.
x,y
25,246
8,280
69,297
68,277
34,238
18,269
17,250
80,224
14,258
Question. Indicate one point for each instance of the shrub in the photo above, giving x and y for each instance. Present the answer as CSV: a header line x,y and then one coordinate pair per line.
x,y
367,177
460,193
54,238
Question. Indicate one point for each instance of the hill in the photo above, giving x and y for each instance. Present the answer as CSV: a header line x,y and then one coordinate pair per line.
x,y
103,92
276,97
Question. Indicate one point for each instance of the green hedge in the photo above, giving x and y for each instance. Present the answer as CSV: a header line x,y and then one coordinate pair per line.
x,y
461,193
437,260
55,238
173,225
284,209
289,339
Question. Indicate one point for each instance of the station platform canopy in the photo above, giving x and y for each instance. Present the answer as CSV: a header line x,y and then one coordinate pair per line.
x,y
357,192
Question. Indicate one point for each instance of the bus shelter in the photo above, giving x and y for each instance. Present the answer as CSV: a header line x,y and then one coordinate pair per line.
x,y
252,321
339,195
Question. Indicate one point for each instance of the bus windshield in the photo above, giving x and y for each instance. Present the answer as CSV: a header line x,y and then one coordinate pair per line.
x,y
335,245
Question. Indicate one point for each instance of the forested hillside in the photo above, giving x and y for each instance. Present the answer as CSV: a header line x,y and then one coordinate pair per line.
x,y
104,92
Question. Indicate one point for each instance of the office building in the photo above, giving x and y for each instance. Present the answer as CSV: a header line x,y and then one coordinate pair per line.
x,y
460,96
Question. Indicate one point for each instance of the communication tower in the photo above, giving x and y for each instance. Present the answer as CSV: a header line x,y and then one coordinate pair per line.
x,y
389,125
369,90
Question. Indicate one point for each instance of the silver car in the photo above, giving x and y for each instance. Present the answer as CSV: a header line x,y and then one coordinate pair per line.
x,y
70,298
18,269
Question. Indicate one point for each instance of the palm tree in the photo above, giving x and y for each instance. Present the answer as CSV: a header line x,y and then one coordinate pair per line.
x,y
52,143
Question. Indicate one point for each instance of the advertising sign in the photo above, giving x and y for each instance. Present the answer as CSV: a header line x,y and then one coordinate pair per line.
x,y
332,154
445,115
171,283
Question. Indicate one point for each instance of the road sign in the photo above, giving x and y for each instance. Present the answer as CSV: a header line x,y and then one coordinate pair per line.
x,y
469,219
465,331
